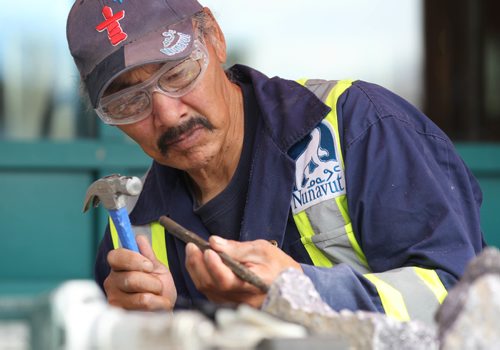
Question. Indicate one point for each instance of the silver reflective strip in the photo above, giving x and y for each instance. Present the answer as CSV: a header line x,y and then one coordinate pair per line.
x,y
420,301
144,230
325,216
338,249
321,88
330,235
155,233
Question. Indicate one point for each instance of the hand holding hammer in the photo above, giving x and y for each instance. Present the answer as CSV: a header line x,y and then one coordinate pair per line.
x,y
153,287
111,191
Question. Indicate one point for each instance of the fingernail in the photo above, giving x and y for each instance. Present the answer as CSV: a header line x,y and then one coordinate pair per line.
x,y
147,265
219,240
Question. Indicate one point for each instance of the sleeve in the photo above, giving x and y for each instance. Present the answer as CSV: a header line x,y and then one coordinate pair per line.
x,y
413,204
342,287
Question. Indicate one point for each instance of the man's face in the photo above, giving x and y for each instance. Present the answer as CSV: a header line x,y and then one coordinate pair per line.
x,y
187,132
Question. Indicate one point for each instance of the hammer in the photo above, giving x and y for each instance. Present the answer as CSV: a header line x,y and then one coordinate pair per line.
x,y
111,191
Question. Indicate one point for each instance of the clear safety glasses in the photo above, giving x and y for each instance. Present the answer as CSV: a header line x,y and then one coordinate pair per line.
x,y
134,103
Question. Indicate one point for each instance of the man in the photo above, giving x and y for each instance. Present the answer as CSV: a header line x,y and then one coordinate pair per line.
x,y
344,180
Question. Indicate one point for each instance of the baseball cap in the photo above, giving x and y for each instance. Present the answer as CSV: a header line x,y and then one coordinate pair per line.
x,y
108,37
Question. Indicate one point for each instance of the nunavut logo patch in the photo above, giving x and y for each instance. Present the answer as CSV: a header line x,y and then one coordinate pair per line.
x,y
319,175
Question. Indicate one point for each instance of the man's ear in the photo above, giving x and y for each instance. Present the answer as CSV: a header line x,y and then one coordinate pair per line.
x,y
216,37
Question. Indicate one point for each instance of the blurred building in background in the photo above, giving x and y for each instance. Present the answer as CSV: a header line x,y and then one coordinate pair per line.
x,y
38,82
462,50
360,39
443,56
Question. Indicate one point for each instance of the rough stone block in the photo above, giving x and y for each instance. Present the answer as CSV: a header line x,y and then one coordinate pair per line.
x,y
469,317
292,297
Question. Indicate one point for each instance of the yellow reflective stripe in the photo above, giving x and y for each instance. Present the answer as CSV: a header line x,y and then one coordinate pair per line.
x,y
331,101
433,282
302,81
342,205
355,245
158,242
301,219
332,118
392,300
114,234
306,232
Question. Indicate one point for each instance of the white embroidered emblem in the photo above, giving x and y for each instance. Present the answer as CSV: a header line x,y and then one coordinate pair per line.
x,y
319,175
171,46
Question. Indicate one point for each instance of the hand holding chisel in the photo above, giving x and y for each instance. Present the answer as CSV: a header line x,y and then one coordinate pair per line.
x,y
187,236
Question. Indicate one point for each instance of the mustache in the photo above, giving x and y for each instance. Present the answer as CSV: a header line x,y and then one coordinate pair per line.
x,y
173,134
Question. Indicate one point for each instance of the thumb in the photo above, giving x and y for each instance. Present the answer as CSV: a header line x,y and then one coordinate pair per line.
x,y
146,249
233,248
257,252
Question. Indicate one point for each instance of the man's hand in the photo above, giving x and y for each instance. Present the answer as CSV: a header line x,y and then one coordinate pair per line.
x,y
139,281
214,279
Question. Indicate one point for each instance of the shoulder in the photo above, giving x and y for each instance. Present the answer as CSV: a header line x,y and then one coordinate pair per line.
x,y
366,107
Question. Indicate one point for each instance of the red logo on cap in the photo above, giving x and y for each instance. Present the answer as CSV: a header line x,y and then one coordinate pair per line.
x,y
115,31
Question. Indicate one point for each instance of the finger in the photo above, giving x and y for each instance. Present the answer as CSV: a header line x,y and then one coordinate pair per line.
x,y
197,268
126,260
194,255
136,282
141,301
194,262
220,272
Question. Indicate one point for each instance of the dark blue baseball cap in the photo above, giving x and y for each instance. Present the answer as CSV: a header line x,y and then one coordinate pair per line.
x,y
109,37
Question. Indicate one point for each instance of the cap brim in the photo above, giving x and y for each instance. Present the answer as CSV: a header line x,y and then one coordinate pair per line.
x,y
169,43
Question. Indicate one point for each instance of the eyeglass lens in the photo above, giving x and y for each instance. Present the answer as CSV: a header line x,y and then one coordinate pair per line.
x,y
175,82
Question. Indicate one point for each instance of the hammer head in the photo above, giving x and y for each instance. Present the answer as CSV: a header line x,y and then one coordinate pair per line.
x,y
111,191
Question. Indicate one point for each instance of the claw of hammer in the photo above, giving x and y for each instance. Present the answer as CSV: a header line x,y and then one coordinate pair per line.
x,y
111,191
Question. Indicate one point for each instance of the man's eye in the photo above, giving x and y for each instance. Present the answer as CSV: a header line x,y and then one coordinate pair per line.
x,y
179,77
128,105
175,74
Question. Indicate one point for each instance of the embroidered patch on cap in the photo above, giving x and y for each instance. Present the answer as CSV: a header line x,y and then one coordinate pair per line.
x,y
175,42
115,32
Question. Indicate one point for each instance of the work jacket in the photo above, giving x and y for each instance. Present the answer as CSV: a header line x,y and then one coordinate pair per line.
x,y
352,182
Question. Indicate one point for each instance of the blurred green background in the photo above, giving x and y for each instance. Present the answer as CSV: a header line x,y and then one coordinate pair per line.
x,y
443,56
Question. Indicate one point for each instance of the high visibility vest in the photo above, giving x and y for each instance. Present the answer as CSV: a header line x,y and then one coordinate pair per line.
x,y
327,234
320,211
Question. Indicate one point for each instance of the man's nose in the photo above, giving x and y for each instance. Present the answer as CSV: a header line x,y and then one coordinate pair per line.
x,y
167,111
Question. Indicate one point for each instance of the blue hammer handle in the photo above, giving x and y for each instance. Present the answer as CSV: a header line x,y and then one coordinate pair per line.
x,y
122,223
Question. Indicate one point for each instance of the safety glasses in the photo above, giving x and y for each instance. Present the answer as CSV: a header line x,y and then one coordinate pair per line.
x,y
134,103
